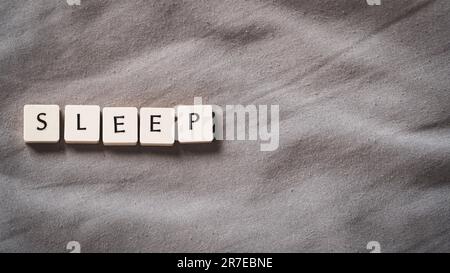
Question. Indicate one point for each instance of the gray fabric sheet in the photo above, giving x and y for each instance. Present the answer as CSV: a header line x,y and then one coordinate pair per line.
x,y
364,126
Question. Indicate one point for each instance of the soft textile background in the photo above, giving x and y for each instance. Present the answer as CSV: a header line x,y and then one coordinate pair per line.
x,y
364,117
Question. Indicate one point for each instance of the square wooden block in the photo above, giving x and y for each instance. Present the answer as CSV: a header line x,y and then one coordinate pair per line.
x,y
157,126
120,125
195,123
82,124
41,123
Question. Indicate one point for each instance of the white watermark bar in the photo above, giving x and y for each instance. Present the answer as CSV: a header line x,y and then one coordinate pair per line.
x,y
151,126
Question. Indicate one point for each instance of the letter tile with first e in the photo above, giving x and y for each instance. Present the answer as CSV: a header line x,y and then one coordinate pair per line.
x,y
120,125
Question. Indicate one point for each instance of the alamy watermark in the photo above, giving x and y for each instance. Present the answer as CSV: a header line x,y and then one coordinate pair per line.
x,y
73,2
373,2
374,247
73,247
250,123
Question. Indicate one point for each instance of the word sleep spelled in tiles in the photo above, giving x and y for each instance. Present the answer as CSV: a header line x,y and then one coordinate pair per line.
x,y
119,125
